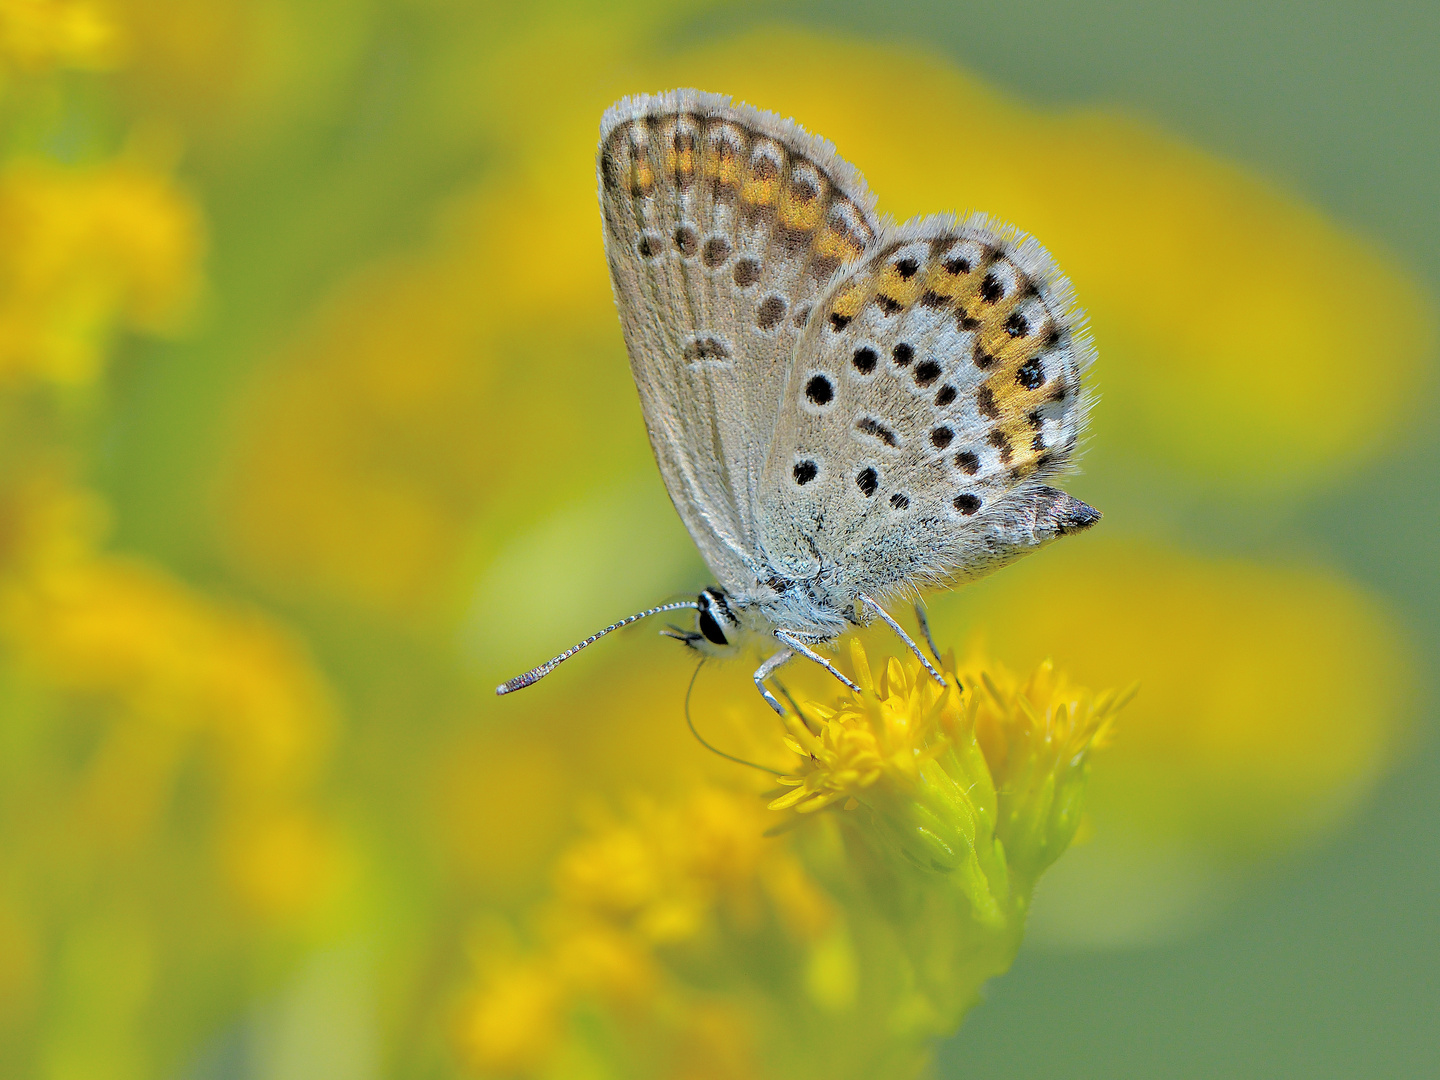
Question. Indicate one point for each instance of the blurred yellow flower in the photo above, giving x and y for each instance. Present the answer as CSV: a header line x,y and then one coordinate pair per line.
x,y
164,751
665,877
89,252
38,34
164,754
170,673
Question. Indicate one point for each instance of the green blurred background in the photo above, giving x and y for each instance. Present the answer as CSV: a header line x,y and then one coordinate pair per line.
x,y
383,451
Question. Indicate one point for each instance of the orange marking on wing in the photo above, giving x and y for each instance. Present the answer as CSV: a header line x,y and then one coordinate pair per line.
x,y
849,302
759,192
798,214
835,244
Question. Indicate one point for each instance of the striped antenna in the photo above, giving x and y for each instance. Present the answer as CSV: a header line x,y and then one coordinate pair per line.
x,y
534,675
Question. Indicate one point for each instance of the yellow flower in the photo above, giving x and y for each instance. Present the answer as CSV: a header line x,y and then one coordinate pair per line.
x,y
907,743
87,252
162,674
664,881
891,732
512,1026
841,943
982,783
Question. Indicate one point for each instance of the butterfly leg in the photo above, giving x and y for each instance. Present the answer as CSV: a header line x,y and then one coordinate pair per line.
x,y
765,670
900,632
810,654
924,621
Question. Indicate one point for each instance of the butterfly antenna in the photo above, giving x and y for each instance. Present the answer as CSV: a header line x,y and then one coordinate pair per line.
x,y
534,675
691,722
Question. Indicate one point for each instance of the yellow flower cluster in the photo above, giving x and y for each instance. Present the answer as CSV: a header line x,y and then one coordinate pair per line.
x,y
908,743
905,722
164,750
165,675
89,252
858,937
666,881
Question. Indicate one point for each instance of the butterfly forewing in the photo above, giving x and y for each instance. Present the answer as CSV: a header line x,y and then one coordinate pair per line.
x,y
723,225
937,385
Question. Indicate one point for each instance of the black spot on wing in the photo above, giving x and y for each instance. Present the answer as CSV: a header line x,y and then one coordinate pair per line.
x,y
819,391
747,271
875,429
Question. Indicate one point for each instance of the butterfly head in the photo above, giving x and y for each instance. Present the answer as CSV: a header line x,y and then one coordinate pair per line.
x,y
718,623
719,627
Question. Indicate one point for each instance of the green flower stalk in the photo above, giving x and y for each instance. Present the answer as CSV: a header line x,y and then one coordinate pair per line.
x,y
717,938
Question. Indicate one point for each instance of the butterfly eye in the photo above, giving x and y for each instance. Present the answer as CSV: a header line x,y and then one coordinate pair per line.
x,y
711,629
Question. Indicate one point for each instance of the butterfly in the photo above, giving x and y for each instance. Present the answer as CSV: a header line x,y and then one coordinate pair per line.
x,y
843,409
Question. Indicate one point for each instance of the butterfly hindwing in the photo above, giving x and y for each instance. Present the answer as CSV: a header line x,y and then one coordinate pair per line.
x,y
936,387
723,225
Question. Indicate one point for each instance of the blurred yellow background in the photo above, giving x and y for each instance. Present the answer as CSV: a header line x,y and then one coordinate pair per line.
x,y
315,423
